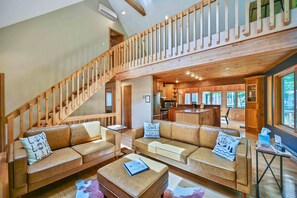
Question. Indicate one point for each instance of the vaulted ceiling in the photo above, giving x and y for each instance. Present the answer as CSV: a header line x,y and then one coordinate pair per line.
x,y
14,11
156,10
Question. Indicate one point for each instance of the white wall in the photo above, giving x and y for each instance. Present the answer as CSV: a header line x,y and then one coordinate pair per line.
x,y
37,53
141,111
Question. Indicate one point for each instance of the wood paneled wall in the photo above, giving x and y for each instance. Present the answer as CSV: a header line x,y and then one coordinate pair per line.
x,y
235,113
2,114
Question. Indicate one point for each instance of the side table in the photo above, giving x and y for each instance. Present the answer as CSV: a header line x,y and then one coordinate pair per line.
x,y
118,128
270,151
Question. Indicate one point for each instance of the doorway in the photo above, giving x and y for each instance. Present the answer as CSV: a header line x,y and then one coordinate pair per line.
x,y
115,37
127,106
2,114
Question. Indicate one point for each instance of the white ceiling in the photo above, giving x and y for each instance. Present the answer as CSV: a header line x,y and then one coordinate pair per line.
x,y
14,11
156,10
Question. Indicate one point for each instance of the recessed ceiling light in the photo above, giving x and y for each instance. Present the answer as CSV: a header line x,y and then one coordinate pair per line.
x,y
166,17
200,78
123,12
188,73
192,75
176,81
196,77
227,68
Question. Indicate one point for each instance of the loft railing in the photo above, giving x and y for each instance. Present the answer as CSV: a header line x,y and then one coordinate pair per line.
x,y
105,119
198,28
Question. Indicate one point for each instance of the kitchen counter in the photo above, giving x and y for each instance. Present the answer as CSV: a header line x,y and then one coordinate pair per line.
x,y
195,116
194,111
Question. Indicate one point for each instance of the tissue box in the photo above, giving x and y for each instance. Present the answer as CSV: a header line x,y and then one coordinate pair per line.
x,y
264,140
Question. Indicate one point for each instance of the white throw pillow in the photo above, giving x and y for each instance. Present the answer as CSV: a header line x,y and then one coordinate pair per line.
x,y
36,147
226,146
151,130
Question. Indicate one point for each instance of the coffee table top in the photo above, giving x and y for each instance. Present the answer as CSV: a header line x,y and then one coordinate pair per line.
x,y
133,185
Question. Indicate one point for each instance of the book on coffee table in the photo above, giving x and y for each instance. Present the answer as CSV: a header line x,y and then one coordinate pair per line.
x,y
136,166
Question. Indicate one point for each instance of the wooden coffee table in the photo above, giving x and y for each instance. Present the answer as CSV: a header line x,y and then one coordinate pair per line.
x,y
114,180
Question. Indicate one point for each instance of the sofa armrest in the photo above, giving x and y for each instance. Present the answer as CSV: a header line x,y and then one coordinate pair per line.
x,y
243,158
112,137
137,133
20,165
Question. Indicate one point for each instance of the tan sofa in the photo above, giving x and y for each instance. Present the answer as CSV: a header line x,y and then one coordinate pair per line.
x,y
189,147
74,147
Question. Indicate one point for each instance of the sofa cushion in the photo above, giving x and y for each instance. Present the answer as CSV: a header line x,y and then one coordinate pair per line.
x,y
95,149
208,135
165,128
185,133
149,144
60,161
36,147
151,130
176,150
204,159
57,136
85,132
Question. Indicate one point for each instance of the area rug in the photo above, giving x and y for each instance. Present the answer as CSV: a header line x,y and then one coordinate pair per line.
x,y
90,189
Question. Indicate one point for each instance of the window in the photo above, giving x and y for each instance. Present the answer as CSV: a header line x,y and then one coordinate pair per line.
x,y
187,98
231,99
206,98
216,98
288,102
241,99
108,99
285,99
195,98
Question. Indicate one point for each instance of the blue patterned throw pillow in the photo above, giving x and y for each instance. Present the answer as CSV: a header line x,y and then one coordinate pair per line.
x,y
151,130
226,146
36,147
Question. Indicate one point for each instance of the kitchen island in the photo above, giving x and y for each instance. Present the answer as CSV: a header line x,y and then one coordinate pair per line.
x,y
195,116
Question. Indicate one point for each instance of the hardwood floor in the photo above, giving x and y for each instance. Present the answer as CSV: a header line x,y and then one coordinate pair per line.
x,y
268,188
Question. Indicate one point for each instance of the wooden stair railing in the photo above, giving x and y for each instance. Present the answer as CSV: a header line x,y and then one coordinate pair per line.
x,y
167,40
105,119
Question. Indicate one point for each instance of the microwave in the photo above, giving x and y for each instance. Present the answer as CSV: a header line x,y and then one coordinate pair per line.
x,y
169,104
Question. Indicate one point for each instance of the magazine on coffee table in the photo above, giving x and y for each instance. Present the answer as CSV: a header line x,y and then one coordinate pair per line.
x,y
136,166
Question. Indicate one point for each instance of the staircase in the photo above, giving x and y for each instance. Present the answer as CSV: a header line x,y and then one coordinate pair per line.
x,y
176,37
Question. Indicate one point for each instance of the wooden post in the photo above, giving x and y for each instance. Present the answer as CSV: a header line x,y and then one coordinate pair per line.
x,y
53,107
148,46
287,12
226,21
31,116
46,107
218,22
77,89
22,130
2,113
181,33
156,42
201,26
176,35
61,101
164,41
160,41
153,45
247,18
188,30
236,29
170,48
118,102
271,14
10,132
39,111
259,17
194,28
67,95
209,23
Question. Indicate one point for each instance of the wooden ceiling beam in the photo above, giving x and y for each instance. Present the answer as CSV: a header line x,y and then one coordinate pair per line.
x,y
136,6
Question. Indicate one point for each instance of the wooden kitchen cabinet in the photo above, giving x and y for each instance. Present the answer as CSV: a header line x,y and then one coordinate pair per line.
x,y
254,112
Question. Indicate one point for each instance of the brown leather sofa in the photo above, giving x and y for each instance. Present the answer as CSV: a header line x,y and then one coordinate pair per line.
x,y
189,147
74,148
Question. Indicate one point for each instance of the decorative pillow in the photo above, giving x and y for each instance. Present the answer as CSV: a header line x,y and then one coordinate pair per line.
x,y
36,147
151,130
226,146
